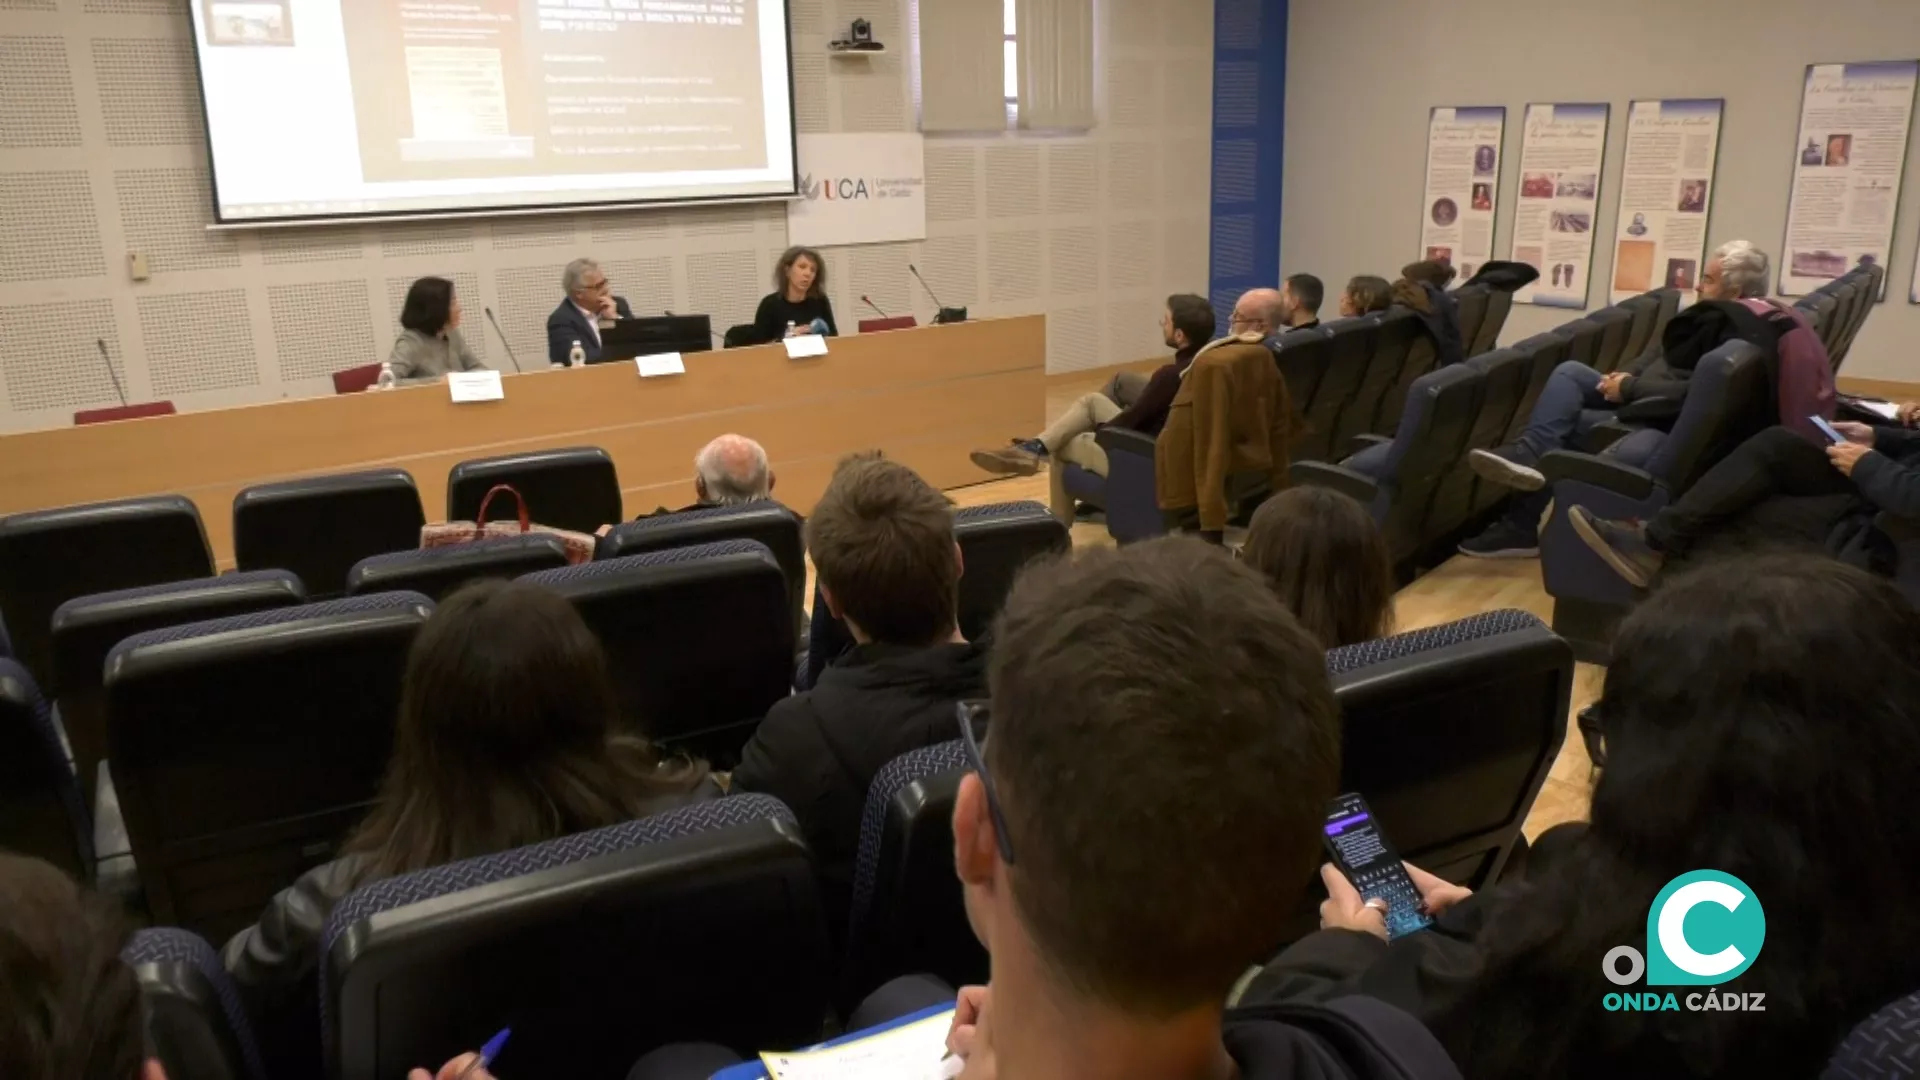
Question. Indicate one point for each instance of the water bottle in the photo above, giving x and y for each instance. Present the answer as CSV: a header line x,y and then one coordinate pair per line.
x,y
577,356
386,380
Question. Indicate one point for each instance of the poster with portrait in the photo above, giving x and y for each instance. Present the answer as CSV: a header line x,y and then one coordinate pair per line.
x,y
1463,185
1847,164
1562,149
1666,196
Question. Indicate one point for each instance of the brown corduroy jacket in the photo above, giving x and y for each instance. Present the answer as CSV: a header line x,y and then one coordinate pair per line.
x,y
1232,415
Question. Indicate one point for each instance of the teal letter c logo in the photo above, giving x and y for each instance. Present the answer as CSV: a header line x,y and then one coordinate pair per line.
x,y
1704,928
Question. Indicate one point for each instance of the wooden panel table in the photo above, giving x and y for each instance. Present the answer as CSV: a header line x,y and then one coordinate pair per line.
x,y
924,396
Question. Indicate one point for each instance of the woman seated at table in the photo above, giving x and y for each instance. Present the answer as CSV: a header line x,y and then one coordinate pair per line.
x,y
429,344
798,305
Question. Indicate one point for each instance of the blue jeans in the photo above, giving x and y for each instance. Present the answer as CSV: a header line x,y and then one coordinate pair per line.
x,y
1570,405
1525,508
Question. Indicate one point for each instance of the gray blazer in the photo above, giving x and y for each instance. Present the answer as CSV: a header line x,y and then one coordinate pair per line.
x,y
419,358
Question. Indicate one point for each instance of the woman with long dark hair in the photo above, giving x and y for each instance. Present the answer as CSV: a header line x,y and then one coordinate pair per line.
x,y
798,303
429,344
1762,719
1327,562
509,734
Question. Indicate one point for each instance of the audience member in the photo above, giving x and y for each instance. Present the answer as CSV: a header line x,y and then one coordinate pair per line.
x,y
798,303
1423,288
429,344
589,302
1260,312
1186,326
1136,833
1328,563
1364,295
1816,488
508,734
1760,721
1300,298
889,569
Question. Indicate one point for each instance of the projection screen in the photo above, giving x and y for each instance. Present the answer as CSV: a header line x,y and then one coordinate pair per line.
x,y
330,109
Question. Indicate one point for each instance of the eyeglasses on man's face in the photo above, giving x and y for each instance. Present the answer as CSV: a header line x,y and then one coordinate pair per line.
x,y
968,713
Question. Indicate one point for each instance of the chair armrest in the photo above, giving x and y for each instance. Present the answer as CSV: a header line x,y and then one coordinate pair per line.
x,y
1117,440
1601,472
1362,442
1605,434
1325,474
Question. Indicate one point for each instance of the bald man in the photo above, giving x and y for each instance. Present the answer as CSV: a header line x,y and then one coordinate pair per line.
x,y
1259,311
732,470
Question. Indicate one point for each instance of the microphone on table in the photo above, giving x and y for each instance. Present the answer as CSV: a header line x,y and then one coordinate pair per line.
x,y
108,361
504,341
946,314
876,307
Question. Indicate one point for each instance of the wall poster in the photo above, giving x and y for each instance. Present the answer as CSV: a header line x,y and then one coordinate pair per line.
x,y
1562,150
1463,185
1666,196
1848,161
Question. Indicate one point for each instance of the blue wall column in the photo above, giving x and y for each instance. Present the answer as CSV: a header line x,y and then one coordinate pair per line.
x,y
1249,138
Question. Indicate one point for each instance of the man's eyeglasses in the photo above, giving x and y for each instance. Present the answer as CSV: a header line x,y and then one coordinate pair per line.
x,y
968,712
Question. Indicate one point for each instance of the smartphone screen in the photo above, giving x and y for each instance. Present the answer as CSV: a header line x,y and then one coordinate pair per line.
x,y
1827,429
1363,854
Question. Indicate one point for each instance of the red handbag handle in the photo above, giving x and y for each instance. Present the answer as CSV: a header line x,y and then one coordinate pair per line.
x,y
480,519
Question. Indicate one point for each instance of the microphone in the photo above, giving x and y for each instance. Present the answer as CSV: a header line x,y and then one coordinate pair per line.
x,y
876,307
710,333
946,314
108,361
504,341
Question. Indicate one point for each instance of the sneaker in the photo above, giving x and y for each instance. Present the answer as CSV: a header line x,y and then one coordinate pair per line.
x,y
1023,458
1502,540
1509,466
1623,544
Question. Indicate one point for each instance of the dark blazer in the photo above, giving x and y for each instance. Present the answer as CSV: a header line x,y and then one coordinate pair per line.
x,y
566,325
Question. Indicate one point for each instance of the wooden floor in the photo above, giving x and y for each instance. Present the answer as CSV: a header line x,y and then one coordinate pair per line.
x,y
1460,588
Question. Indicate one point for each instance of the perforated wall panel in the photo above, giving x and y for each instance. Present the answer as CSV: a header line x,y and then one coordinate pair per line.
x,y
165,213
322,327
1133,255
526,296
880,272
648,284
36,94
198,342
160,8
728,285
631,226
951,264
49,359
1073,257
543,230
426,238
1013,180
28,5
1073,338
147,91
953,182
47,227
1013,267
1133,177
1133,91
873,94
325,244
1073,186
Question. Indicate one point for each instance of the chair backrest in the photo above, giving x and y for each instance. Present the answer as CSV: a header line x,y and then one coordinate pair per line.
x,y
85,629
1616,325
772,524
1393,340
575,488
1450,733
1548,351
1644,311
1884,1046
1668,301
123,412
1867,281
1819,308
48,557
1583,341
1726,404
894,322
355,379
1499,304
1846,300
700,924
908,916
1421,355
1303,356
195,1023
1427,448
1350,354
996,543
1473,301
741,336
436,572
243,749
320,526
1506,374
700,639
41,813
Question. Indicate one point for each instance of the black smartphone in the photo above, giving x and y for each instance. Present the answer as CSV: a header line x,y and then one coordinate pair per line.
x,y
1363,854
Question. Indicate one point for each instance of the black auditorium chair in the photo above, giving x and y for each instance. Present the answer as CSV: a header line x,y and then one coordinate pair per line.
x,y
996,542
1867,285
41,813
1819,308
1644,311
573,489
1472,300
1504,376
700,639
1884,1046
1393,338
1348,354
908,916
86,628
1499,304
194,1020
766,521
48,557
1616,324
1450,732
1303,356
700,924
1421,356
319,527
243,749
436,572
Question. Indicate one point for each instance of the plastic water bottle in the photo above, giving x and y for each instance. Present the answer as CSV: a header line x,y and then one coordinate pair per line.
x,y
386,380
577,356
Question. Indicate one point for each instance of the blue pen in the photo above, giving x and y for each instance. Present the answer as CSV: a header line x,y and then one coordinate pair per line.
x,y
487,1053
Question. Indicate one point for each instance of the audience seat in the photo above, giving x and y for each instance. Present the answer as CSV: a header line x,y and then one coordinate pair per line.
x,y
573,489
1347,355
1727,402
1506,375
908,916
195,1023
437,572
320,526
41,813
1884,1046
48,557
1450,732
1432,438
1473,301
700,639
1868,281
1393,339
1419,360
996,543
772,524
1499,304
700,924
1615,327
1669,306
1303,356
1644,311
244,748
1819,309
85,629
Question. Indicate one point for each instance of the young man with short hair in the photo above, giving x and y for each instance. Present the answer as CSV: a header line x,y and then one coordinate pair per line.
x,y
889,567
1138,832
1300,299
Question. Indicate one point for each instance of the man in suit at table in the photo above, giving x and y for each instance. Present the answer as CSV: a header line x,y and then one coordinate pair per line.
x,y
589,302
